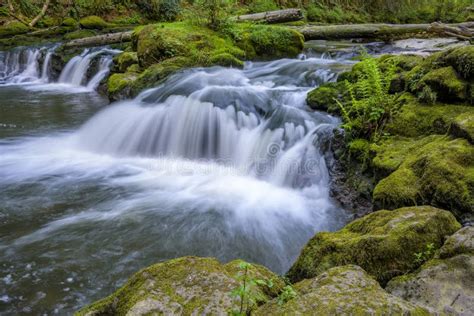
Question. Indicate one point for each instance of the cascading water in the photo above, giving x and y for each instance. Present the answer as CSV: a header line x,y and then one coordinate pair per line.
x,y
32,66
214,162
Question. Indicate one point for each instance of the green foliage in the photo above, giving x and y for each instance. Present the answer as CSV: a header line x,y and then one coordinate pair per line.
x,y
427,95
288,293
370,105
248,292
425,255
262,5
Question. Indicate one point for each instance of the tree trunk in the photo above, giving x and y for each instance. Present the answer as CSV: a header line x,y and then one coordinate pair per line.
x,y
279,16
373,30
100,40
41,14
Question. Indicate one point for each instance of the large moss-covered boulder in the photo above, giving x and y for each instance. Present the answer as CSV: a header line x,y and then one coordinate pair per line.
x,y
183,286
155,43
93,22
434,170
383,243
270,41
346,290
444,285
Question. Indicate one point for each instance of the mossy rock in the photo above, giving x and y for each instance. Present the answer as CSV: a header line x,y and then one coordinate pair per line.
x,y
125,60
463,126
186,286
270,41
462,59
383,243
447,84
155,43
345,290
79,34
93,22
416,119
13,28
119,85
70,22
443,285
435,170
226,60
157,73
324,97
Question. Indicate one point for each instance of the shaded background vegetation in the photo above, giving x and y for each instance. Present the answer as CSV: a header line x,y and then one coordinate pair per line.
x,y
317,11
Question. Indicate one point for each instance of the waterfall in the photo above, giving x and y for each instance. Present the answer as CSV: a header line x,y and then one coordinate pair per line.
x,y
193,117
33,66
45,76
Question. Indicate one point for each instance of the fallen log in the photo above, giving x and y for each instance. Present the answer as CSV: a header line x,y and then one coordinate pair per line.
x,y
279,16
461,32
376,30
100,40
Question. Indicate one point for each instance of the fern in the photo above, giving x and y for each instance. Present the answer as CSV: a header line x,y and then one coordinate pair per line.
x,y
369,105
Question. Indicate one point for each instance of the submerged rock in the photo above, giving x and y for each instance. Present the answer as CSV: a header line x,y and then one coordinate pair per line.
x,y
188,285
346,290
444,285
382,243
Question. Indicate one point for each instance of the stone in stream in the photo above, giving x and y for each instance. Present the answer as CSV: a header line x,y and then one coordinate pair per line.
x,y
383,243
444,285
346,290
188,285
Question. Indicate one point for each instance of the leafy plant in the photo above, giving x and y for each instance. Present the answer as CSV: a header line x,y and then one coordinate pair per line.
x,y
425,255
287,294
248,292
370,104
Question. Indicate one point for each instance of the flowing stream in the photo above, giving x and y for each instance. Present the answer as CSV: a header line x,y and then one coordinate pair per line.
x,y
217,162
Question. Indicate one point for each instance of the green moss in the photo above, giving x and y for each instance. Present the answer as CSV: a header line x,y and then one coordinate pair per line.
x,y
93,22
447,84
226,60
119,85
70,22
382,243
345,290
462,59
435,170
79,34
463,126
188,285
155,43
156,73
359,149
273,41
324,97
13,28
125,60
415,119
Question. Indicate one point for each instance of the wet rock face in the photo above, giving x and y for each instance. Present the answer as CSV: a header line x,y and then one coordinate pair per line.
x,y
444,285
346,290
188,285
383,243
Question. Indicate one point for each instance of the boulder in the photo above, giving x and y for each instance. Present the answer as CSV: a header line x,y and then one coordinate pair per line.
x,y
188,285
383,243
93,22
345,290
444,285
433,170
446,83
